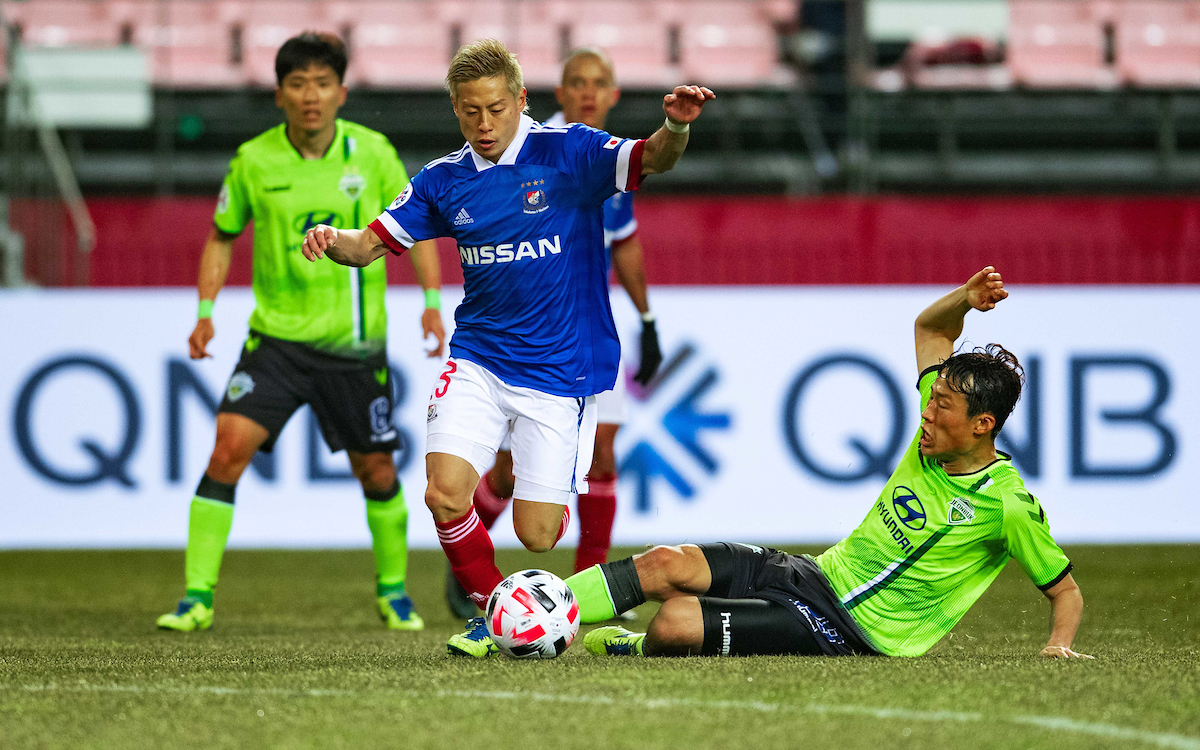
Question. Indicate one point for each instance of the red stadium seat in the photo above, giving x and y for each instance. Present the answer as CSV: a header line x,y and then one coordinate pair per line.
x,y
632,34
270,23
393,44
63,23
1158,43
191,42
542,27
1057,44
727,43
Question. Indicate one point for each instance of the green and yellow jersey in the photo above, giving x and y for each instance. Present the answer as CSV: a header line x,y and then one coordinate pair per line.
x,y
932,544
332,308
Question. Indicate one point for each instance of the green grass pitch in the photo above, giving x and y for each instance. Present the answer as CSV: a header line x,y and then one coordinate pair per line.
x,y
297,658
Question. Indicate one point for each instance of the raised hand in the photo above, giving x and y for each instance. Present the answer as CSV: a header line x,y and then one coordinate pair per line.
x,y
317,240
683,105
986,289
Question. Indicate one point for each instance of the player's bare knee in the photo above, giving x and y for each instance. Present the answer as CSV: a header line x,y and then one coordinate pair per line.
x,y
538,535
678,623
660,570
444,502
229,459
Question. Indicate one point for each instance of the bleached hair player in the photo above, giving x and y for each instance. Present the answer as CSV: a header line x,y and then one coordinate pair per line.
x,y
535,338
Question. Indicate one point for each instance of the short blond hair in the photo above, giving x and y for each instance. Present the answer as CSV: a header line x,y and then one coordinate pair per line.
x,y
484,59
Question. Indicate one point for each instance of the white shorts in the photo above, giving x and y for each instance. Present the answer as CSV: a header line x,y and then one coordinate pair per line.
x,y
471,411
612,407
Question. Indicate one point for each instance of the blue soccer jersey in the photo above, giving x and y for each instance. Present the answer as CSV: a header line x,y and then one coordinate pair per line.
x,y
530,238
619,221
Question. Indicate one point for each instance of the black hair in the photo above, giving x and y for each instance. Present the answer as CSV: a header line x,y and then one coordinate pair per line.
x,y
990,378
311,47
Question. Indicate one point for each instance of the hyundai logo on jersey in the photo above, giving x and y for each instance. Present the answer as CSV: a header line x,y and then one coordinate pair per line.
x,y
908,508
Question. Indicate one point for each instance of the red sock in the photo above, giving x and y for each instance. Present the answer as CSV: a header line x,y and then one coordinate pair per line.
x,y
597,509
472,556
566,521
488,504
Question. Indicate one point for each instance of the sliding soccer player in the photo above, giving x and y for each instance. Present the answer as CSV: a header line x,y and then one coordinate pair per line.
x,y
950,517
318,334
535,339
588,91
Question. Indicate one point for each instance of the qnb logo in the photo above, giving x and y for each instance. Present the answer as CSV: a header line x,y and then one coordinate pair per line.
x,y
665,432
509,252
907,507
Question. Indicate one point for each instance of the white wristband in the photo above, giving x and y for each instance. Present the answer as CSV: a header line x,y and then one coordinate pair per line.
x,y
677,128
647,317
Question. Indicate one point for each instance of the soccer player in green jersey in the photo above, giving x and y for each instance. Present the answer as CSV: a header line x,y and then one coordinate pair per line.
x,y
318,333
951,515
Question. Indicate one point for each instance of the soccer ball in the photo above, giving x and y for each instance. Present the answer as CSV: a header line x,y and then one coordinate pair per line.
x,y
532,615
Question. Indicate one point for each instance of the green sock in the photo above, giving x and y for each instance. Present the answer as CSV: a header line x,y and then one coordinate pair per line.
x,y
387,517
209,522
591,591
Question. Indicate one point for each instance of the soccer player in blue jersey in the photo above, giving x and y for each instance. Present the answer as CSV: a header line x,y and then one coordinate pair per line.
x,y
535,338
588,91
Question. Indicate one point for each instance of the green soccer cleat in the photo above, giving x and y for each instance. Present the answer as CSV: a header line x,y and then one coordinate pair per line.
x,y
474,642
613,640
457,600
397,611
191,614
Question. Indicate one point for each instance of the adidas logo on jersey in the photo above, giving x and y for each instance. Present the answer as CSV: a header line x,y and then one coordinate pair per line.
x,y
463,218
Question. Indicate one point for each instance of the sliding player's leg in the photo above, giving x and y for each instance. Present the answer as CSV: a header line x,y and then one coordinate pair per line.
x,y
210,519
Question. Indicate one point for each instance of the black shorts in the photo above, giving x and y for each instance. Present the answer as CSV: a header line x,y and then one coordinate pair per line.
x,y
763,601
351,398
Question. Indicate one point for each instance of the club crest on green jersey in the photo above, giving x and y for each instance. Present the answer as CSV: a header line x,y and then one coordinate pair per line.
x,y
960,512
352,184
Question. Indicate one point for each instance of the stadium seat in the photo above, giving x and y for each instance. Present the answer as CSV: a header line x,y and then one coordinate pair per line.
x,y
1158,43
63,23
393,44
268,24
633,35
191,42
1057,44
727,43
543,26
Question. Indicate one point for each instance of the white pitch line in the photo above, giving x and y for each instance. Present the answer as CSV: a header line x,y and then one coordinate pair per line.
x,y
1052,723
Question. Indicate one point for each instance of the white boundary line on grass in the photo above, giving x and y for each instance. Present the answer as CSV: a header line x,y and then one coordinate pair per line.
x,y
1052,723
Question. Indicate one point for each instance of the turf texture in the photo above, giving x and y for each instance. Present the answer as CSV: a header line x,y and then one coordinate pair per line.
x,y
298,658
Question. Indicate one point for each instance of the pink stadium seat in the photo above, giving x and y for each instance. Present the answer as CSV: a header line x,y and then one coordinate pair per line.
x,y
191,42
727,43
1057,44
632,34
1158,43
270,23
541,28
62,23
393,44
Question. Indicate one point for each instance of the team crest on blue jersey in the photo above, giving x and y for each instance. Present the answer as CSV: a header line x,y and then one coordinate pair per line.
x,y
533,201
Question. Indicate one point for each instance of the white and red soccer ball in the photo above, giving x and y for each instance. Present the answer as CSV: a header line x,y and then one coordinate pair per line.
x,y
532,615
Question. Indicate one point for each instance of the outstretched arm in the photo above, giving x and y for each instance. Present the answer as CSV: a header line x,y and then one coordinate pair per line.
x,y
349,247
664,148
940,324
1066,612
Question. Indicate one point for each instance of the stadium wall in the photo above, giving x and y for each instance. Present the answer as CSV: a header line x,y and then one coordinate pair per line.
x,y
775,241
780,412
